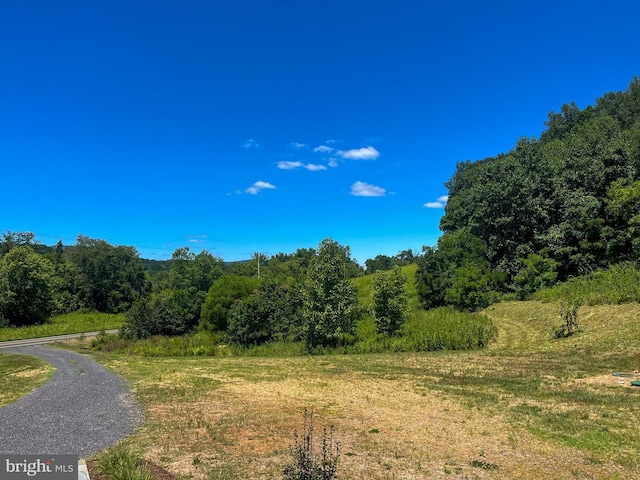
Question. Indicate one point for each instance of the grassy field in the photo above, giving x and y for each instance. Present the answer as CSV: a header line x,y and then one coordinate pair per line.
x,y
19,375
63,324
530,406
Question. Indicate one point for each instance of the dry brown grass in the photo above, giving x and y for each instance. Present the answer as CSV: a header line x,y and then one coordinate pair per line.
x,y
529,407
391,426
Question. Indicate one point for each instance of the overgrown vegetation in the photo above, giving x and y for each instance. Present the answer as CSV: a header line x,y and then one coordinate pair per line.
x,y
616,285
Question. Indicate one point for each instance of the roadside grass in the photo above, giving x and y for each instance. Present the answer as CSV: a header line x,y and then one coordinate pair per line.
x,y
63,324
19,375
122,462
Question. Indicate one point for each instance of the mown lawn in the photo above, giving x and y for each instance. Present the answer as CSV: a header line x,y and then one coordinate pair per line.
x,y
19,375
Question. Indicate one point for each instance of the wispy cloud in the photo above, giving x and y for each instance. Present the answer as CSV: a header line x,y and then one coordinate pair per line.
x,y
297,145
251,143
362,189
333,162
289,165
365,153
439,203
196,238
323,149
258,186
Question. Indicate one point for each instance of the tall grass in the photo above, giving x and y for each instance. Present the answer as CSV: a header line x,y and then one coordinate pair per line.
x,y
63,324
617,285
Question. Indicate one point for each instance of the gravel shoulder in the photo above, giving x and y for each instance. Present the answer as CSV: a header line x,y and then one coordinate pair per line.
x,y
83,409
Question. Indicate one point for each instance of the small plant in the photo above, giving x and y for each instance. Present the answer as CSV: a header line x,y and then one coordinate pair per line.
x,y
569,315
306,465
120,462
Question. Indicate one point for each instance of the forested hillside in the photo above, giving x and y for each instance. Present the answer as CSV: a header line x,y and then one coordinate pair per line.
x,y
559,206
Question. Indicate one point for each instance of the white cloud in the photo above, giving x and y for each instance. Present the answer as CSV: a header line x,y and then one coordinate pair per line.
x,y
251,143
365,153
362,189
439,203
333,162
297,145
288,165
314,168
323,149
259,185
196,238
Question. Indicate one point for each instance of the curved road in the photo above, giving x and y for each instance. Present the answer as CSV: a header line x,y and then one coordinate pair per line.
x,y
84,408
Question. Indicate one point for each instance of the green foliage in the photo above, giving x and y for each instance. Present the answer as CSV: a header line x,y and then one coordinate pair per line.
x,y
384,262
121,462
457,273
538,271
330,303
569,316
26,295
307,464
272,312
188,270
390,300
571,197
170,312
250,321
221,297
110,278
616,285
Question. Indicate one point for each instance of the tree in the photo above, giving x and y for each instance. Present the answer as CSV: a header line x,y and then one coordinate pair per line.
x,y
170,312
221,297
110,278
26,295
189,270
271,312
390,300
331,302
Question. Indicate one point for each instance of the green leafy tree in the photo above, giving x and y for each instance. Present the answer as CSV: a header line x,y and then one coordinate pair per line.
x,y
188,270
110,278
538,271
221,297
26,293
331,302
390,300
170,312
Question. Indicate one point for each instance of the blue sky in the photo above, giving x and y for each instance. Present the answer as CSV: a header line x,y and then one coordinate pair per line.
x,y
244,126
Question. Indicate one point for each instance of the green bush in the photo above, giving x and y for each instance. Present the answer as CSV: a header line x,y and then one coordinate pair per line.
x,y
390,300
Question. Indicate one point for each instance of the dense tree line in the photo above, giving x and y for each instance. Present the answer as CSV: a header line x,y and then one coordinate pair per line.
x,y
37,281
552,208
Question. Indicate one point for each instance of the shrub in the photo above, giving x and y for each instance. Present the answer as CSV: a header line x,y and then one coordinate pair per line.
x,y
569,315
390,300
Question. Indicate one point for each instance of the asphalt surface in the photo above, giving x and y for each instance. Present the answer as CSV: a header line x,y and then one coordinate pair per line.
x,y
83,409
51,339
